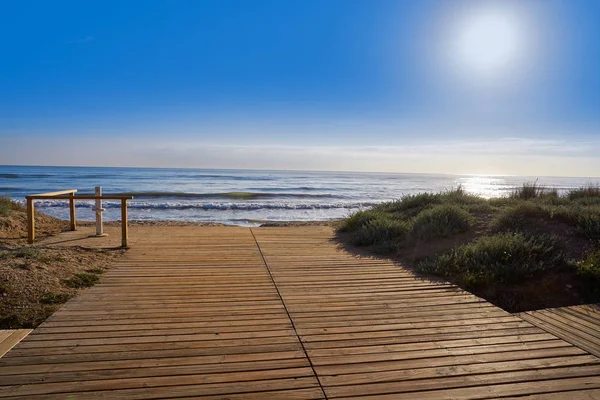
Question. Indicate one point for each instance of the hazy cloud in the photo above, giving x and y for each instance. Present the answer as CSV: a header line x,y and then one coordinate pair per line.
x,y
512,156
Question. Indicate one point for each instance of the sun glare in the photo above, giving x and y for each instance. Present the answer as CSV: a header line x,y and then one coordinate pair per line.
x,y
487,43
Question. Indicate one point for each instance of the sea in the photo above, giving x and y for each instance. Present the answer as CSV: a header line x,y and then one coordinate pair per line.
x,y
243,197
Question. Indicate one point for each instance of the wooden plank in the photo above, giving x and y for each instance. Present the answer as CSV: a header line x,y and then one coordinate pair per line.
x,y
52,194
190,386
157,371
10,338
556,387
409,374
582,329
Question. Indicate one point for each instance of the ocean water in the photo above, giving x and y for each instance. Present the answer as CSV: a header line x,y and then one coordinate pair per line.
x,y
242,197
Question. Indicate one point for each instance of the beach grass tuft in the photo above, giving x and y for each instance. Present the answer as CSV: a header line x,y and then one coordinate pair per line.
x,y
55,298
376,228
585,192
532,190
442,220
590,266
502,257
5,207
82,280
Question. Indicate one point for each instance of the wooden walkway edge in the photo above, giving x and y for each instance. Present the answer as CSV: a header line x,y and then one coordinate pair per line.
x,y
10,338
579,325
284,313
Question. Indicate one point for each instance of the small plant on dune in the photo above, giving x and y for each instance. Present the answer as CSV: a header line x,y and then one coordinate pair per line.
x,y
503,257
369,228
55,298
441,221
412,201
590,267
410,205
5,207
82,280
460,196
30,253
587,191
385,232
532,190
358,219
514,219
589,224
589,270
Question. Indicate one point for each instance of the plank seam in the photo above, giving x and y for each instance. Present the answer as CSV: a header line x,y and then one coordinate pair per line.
x,y
288,313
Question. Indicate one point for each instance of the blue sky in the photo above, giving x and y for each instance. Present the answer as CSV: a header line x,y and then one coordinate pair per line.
x,y
481,86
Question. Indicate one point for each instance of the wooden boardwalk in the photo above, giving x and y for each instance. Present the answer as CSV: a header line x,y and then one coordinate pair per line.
x,y
282,313
579,325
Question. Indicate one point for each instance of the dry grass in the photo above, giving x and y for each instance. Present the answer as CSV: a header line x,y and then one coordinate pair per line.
x,y
35,281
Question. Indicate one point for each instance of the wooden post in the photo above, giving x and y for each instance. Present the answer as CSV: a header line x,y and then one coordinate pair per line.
x,y
30,221
124,223
72,211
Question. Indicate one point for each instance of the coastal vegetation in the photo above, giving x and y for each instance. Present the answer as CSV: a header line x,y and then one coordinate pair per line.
x,y
6,207
36,280
531,249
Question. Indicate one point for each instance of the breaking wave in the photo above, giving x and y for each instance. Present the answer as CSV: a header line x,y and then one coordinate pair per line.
x,y
223,195
209,206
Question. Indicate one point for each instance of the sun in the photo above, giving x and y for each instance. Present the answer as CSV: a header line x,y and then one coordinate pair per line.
x,y
487,43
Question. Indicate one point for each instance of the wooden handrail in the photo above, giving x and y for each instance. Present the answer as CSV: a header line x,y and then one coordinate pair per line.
x,y
82,197
60,195
52,193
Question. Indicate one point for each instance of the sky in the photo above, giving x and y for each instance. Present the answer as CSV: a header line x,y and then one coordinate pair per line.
x,y
506,87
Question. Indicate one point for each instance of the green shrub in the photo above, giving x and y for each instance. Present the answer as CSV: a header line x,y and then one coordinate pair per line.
x,y
503,257
459,196
585,218
587,201
358,219
412,201
589,223
441,221
588,191
386,232
55,298
514,219
29,253
82,280
590,267
589,270
532,190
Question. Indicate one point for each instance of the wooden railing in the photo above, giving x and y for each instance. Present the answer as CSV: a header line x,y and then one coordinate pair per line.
x,y
70,196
